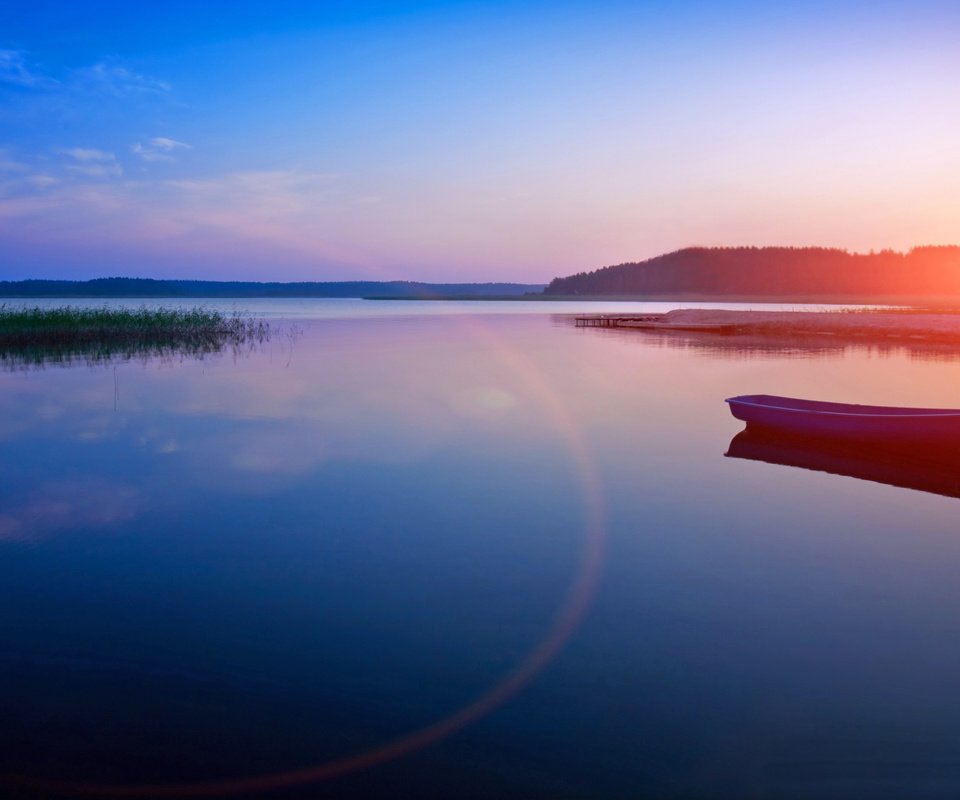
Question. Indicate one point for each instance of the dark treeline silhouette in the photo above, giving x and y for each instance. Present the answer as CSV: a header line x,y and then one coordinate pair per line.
x,y
776,271
146,287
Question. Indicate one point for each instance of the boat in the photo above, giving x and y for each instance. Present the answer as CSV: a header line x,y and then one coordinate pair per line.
x,y
876,424
923,467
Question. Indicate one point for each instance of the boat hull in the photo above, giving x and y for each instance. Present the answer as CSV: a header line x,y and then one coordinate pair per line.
x,y
846,421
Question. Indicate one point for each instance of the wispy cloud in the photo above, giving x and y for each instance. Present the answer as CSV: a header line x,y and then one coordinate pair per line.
x,y
163,143
159,148
15,69
256,195
19,176
42,181
109,76
92,163
10,164
94,170
88,154
112,77
258,216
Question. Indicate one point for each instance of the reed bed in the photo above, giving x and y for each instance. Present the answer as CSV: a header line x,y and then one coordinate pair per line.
x,y
38,335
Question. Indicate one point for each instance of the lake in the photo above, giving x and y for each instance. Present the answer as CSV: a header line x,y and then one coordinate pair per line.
x,y
413,549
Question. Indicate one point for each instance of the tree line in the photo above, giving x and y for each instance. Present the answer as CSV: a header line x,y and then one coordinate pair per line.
x,y
147,287
772,271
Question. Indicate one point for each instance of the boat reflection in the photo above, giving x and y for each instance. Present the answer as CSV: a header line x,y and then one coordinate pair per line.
x,y
933,468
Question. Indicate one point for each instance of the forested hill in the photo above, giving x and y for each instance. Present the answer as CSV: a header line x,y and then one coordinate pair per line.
x,y
776,271
145,287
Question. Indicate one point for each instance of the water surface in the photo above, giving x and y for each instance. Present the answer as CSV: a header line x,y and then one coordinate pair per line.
x,y
354,307
253,564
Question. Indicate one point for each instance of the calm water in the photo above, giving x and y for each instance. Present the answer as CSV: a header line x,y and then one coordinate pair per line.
x,y
351,308
445,552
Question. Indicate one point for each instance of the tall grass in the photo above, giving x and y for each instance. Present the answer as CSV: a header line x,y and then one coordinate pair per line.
x,y
38,335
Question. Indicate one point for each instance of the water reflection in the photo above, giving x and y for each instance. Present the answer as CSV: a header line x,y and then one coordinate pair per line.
x,y
253,566
70,504
351,473
926,468
246,337
734,346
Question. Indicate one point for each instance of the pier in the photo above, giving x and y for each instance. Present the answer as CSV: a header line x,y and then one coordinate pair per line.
x,y
652,321
619,321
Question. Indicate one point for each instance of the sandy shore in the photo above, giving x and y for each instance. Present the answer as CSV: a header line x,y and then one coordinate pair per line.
x,y
874,324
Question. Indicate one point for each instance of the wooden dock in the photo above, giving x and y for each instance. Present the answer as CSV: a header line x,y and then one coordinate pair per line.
x,y
652,321
619,321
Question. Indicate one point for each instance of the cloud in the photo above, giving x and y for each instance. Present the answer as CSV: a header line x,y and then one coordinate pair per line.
x,y
92,163
20,178
42,181
108,170
163,143
265,195
110,77
159,148
254,216
10,164
88,154
15,69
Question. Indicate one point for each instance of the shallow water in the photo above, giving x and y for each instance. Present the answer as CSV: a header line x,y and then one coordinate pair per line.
x,y
516,540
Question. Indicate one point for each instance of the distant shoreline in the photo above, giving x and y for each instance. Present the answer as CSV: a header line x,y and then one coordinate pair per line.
x,y
145,289
152,289
838,300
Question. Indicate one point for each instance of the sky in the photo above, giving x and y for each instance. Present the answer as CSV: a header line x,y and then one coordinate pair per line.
x,y
466,141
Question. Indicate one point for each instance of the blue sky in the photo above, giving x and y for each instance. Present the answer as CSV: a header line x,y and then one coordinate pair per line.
x,y
466,141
